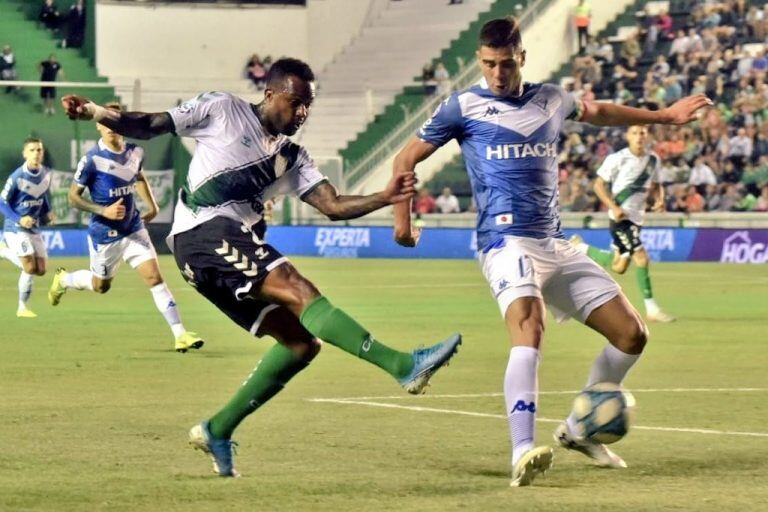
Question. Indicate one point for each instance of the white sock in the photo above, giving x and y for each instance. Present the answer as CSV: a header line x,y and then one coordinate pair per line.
x,y
167,306
78,280
521,388
612,365
25,289
11,256
651,306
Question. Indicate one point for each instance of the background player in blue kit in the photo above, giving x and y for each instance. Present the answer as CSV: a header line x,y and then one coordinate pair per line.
x,y
26,204
111,172
508,131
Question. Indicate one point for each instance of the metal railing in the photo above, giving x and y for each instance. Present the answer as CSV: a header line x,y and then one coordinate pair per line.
x,y
408,127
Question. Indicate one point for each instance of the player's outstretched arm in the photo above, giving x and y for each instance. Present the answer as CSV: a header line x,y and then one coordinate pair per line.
x,y
607,114
327,200
415,151
115,211
137,125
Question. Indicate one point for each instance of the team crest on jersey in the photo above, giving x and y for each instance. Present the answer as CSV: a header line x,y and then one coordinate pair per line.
x,y
246,141
185,108
540,101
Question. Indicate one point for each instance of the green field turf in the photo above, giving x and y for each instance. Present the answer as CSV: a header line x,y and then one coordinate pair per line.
x,y
95,405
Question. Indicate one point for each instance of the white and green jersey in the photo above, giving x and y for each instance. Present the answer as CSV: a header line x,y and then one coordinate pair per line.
x,y
237,164
630,177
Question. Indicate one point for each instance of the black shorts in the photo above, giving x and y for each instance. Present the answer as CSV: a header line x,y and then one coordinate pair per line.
x,y
48,92
226,262
626,236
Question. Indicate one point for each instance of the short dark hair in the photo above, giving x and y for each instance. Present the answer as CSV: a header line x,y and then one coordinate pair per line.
x,y
31,140
501,33
287,66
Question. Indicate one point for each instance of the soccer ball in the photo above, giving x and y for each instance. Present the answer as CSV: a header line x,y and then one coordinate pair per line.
x,y
603,413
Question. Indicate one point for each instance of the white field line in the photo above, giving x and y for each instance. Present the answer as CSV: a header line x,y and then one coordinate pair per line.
x,y
567,392
705,431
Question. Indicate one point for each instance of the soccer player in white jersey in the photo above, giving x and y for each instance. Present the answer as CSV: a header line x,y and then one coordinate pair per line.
x,y
112,171
243,157
508,131
632,175
26,204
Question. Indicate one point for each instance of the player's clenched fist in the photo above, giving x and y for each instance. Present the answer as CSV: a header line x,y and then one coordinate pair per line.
x,y
78,107
115,211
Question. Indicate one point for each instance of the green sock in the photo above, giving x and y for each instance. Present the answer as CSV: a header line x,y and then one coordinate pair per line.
x,y
644,282
334,326
275,369
601,257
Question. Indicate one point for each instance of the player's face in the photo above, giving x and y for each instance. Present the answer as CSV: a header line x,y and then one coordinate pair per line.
x,y
110,137
288,108
637,138
33,155
501,68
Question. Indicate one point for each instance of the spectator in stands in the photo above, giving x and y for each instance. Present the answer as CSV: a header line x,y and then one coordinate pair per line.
x,y
443,80
49,15
604,53
623,96
627,71
660,68
694,202
747,201
713,198
582,17
762,202
649,30
75,23
755,23
676,201
49,70
428,79
702,174
447,202
673,91
8,67
256,71
679,44
664,21
424,202
630,48
740,148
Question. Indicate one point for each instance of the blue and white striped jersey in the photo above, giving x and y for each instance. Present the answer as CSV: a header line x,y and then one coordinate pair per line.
x,y
510,146
26,192
109,176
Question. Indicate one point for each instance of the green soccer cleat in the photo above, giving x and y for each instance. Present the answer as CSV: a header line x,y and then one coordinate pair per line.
x,y
187,341
596,451
426,361
57,291
534,462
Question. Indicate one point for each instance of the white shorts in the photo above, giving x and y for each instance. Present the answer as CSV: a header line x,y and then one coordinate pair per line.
x,y
26,244
135,249
571,284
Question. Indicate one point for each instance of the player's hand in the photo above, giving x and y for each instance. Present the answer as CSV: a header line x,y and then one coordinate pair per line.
x,y
27,222
51,218
115,211
409,239
74,107
400,188
618,213
684,111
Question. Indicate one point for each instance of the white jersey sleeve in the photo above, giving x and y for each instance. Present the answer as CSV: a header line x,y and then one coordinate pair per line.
x,y
609,169
197,117
299,180
656,171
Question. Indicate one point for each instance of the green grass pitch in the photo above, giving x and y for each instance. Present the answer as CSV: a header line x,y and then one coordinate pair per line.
x,y
95,405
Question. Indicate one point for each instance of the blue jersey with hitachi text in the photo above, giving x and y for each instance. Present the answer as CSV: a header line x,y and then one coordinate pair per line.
x,y
510,147
26,193
109,176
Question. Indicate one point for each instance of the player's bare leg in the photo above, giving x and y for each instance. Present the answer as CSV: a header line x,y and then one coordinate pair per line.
x,y
294,350
652,310
286,286
524,319
622,325
150,274
31,266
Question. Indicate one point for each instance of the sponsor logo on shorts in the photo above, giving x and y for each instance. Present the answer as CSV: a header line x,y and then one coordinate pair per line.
x,y
504,219
739,248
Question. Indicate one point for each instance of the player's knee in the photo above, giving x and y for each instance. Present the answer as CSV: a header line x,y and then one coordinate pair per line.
x,y
40,271
311,348
532,330
636,337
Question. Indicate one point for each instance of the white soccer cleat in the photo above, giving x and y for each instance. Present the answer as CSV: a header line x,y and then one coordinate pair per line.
x,y
660,317
596,451
534,462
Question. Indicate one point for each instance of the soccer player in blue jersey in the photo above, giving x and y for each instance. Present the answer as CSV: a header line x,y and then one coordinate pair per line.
x,y
26,204
111,172
508,131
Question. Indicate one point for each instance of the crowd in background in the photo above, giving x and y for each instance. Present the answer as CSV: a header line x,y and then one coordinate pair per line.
x,y
717,48
256,70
